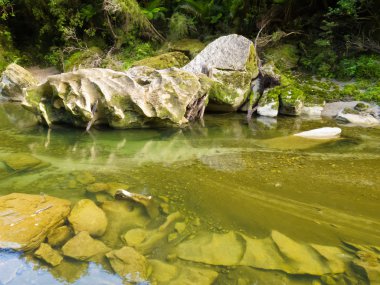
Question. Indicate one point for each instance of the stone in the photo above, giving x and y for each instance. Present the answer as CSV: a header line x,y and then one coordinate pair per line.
x,y
13,80
230,61
25,220
129,264
333,109
321,133
312,111
49,255
86,216
163,61
211,248
21,161
367,265
268,109
284,56
59,236
176,274
135,237
360,119
291,101
147,201
139,97
84,247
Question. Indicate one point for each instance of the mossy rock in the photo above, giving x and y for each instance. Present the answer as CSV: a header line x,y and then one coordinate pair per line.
x,y
284,56
84,59
163,61
190,47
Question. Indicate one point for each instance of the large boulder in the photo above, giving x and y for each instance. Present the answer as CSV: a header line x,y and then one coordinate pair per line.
x,y
13,80
231,62
140,97
25,220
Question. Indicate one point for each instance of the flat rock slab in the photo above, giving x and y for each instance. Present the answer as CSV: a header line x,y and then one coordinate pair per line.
x,y
321,133
25,220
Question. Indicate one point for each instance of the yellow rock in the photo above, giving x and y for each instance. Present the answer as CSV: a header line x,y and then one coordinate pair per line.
x,y
46,253
59,236
86,216
21,161
25,220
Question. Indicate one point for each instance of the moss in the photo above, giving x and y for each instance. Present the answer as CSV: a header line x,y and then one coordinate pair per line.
x,y
222,94
163,61
84,59
191,47
8,53
284,56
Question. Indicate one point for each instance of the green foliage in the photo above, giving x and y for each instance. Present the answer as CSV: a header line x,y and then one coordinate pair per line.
x,y
181,26
362,67
6,9
135,51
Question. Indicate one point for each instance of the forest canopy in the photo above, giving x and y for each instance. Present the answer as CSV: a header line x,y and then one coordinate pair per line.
x,y
329,34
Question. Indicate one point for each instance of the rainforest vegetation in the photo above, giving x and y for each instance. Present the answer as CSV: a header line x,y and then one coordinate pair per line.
x,y
332,39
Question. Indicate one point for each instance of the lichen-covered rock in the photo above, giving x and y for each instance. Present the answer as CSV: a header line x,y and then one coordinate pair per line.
x,y
86,216
84,247
13,80
357,117
268,105
59,236
25,220
49,255
140,97
172,274
129,264
163,61
231,62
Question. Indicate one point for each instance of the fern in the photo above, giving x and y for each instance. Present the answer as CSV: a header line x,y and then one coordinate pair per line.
x,y
181,26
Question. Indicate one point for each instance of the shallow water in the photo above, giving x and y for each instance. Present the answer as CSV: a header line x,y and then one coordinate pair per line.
x,y
222,175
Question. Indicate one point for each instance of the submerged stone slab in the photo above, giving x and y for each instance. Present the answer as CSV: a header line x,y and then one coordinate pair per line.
x,y
84,247
21,161
215,249
25,220
129,264
176,274
86,216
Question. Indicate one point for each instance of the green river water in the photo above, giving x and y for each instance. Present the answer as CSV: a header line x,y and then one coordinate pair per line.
x,y
223,175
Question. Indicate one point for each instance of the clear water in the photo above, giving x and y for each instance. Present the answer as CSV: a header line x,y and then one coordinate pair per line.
x,y
222,175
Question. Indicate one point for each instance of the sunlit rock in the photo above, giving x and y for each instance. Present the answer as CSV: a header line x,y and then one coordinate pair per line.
x,y
321,133
129,264
49,255
86,216
84,247
25,220
147,201
212,249
367,265
171,274
139,97
59,236
357,118
13,80
231,62
135,237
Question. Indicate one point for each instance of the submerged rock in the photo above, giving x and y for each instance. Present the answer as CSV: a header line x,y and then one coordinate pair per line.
x,y
49,255
59,236
231,62
321,133
25,220
84,247
276,252
140,97
163,61
171,274
129,264
215,249
86,216
13,80
22,161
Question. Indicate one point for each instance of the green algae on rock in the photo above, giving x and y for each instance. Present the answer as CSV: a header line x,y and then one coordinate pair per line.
x,y
49,255
163,61
26,220
84,247
20,161
86,216
59,236
129,264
